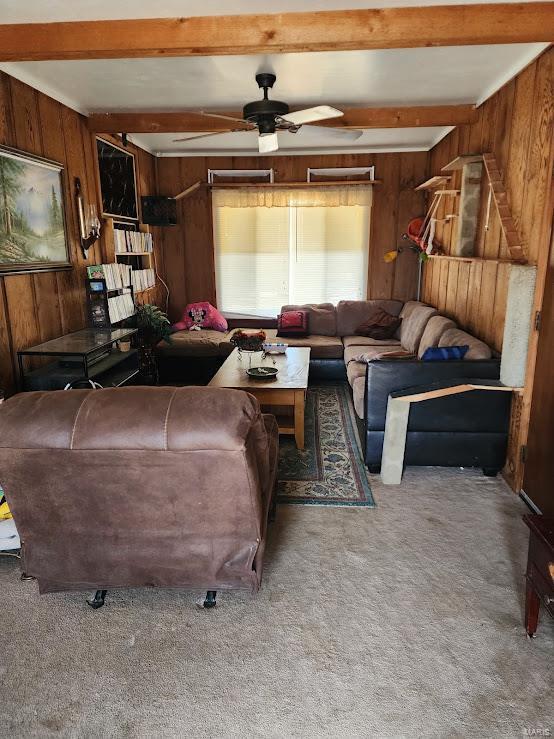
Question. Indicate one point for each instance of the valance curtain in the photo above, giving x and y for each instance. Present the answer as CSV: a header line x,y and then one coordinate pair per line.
x,y
282,197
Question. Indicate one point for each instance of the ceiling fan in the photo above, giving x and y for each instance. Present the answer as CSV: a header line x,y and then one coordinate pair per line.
x,y
270,116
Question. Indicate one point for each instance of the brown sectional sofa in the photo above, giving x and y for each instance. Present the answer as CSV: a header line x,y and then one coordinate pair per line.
x,y
338,353
332,328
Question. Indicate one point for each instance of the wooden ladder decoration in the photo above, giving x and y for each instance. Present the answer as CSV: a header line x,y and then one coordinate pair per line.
x,y
515,246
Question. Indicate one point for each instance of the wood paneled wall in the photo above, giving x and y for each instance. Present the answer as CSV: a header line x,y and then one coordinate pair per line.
x,y
188,248
39,306
515,124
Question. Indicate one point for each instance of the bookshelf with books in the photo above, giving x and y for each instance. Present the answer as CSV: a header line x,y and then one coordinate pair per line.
x,y
132,248
110,295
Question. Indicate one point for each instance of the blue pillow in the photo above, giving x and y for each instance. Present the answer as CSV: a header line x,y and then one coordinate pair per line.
x,y
443,353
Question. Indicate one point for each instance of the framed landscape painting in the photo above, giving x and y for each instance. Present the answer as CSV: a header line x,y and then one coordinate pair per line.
x,y
32,220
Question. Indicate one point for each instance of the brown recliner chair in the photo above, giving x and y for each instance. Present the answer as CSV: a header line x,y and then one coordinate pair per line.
x,y
139,486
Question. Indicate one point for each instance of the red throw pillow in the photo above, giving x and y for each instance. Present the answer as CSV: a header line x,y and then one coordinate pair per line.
x,y
380,325
293,323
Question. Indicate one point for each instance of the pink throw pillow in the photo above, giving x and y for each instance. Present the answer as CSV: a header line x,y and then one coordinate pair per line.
x,y
201,315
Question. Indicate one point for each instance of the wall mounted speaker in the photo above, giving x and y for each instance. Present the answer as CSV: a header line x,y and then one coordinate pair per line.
x,y
159,211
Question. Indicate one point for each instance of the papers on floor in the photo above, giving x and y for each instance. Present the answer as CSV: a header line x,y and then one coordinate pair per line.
x,y
9,538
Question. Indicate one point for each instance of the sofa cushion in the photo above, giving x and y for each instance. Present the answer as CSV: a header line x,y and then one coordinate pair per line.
x,y
436,326
358,394
413,326
409,307
367,353
355,370
456,337
368,341
352,313
323,318
204,343
323,347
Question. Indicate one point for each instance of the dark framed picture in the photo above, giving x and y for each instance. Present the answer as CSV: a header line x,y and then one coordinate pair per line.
x,y
33,233
117,181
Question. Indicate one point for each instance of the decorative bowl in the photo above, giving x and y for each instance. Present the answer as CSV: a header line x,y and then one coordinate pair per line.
x,y
262,373
276,347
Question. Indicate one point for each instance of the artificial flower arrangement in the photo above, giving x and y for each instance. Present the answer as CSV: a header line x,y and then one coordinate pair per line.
x,y
245,341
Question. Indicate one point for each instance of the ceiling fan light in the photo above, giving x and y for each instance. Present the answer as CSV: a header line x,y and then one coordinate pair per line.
x,y
267,143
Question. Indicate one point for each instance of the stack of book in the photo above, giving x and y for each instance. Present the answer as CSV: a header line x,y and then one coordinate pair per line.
x,y
142,279
121,307
117,275
132,242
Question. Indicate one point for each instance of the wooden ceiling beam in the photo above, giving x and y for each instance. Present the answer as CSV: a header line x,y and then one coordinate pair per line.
x,y
409,117
334,30
161,122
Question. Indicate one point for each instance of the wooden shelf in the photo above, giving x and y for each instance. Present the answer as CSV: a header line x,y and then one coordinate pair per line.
x,y
459,162
133,253
472,259
434,182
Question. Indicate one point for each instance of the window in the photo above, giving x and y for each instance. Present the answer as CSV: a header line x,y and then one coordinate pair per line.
x,y
278,246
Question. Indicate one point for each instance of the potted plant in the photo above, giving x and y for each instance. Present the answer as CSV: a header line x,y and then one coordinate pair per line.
x,y
153,326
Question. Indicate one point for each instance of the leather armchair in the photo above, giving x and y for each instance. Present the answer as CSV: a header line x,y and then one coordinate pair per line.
x,y
139,486
466,430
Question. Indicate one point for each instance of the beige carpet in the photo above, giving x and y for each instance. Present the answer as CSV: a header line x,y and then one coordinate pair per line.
x,y
399,621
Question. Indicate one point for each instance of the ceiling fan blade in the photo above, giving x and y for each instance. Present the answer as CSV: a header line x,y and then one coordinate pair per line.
x,y
216,133
267,142
308,115
345,134
222,116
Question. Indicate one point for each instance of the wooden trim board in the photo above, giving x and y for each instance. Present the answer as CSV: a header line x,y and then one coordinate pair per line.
x,y
285,185
433,182
398,413
441,392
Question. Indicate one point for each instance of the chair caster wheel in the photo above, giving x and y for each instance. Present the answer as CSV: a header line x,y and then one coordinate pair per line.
x,y
490,471
97,601
24,576
210,601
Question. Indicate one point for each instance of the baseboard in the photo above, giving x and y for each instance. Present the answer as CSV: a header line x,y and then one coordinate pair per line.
x,y
529,503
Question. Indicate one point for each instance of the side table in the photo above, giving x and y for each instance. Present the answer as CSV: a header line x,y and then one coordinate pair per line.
x,y
540,570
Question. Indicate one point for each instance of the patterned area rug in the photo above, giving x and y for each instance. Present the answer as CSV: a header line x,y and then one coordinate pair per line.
x,y
330,470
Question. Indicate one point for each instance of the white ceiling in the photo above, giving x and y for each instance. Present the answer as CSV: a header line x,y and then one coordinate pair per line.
x,y
395,77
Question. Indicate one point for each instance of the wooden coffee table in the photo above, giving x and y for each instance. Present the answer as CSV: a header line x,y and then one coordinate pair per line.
x,y
285,394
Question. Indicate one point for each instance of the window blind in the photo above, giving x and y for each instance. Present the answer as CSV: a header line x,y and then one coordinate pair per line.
x,y
266,257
